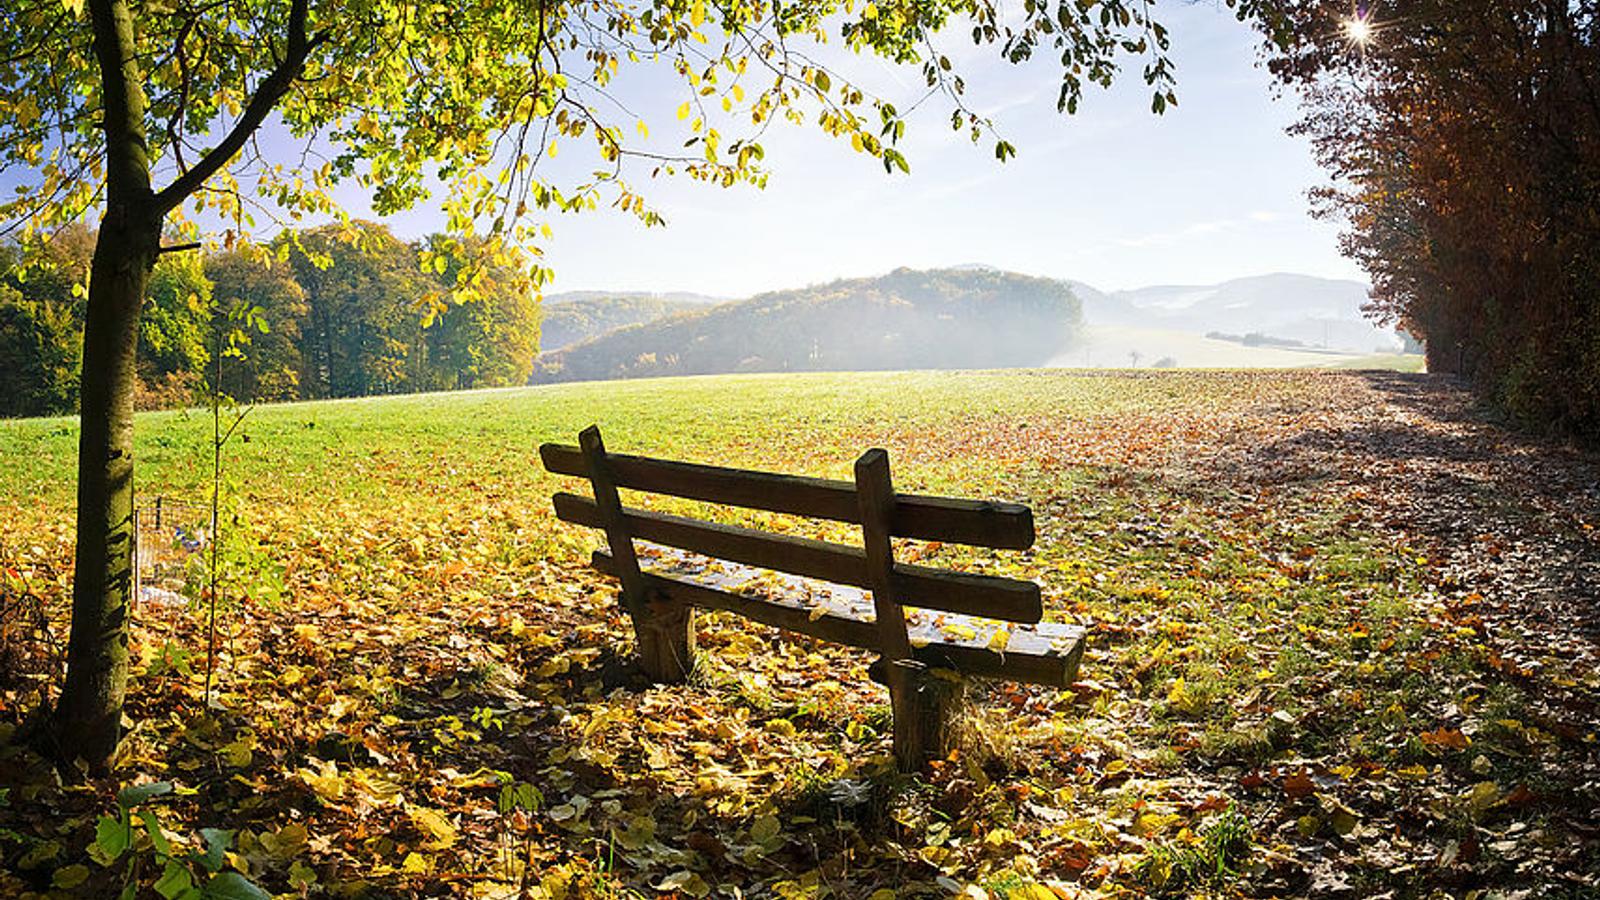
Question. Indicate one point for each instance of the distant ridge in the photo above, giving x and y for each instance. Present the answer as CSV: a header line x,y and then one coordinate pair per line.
x,y
580,318
1280,319
1323,313
943,318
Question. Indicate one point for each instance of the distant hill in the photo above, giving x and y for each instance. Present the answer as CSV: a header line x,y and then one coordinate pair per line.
x,y
685,297
575,319
944,318
1321,313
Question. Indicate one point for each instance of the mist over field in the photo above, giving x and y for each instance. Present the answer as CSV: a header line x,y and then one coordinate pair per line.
x,y
939,319
970,316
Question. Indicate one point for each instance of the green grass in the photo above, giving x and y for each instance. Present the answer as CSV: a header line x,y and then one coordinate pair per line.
x,y
1240,629
362,452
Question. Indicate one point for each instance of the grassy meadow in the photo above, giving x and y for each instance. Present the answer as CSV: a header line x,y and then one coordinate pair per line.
x,y
1306,675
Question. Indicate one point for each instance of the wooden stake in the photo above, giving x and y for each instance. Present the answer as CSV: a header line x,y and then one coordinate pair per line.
x,y
663,629
917,733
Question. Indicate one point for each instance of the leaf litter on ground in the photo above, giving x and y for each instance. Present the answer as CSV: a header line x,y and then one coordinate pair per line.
x,y
1343,643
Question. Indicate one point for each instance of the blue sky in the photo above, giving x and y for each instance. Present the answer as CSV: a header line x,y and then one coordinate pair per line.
x,y
1113,196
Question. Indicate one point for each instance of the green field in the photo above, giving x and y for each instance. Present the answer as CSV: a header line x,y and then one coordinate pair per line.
x,y
1293,680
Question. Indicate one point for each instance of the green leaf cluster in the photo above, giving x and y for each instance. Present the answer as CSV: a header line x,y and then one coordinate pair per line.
x,y
134,840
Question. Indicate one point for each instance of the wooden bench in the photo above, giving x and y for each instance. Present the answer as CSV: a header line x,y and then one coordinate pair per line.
x,y
951,625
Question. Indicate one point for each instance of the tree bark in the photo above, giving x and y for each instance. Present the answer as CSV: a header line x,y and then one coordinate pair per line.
x,y
88,716
87,720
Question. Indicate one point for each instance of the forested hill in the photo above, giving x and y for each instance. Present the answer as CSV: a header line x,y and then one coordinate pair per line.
x,y
938,319
581,318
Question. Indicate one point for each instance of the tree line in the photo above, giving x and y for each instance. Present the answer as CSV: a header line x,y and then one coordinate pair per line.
x,y
335,311
1464,143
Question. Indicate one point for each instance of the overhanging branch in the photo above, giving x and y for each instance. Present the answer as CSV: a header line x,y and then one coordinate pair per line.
x,y
267,95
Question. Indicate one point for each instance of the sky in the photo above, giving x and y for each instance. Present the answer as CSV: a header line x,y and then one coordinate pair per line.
x,y
1114,196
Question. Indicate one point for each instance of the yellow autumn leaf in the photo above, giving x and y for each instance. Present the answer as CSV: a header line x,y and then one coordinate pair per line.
x,y
958,632
375,788
657,756
433,823
1154,823
237,754
325,780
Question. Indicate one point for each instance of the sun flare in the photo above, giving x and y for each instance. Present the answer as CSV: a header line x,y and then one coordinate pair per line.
x,y
1358,29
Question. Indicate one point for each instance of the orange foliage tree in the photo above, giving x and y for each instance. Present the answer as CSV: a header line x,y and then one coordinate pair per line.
x,y
1463,141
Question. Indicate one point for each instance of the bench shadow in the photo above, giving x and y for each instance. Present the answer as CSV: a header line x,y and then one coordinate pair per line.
x,y
693,828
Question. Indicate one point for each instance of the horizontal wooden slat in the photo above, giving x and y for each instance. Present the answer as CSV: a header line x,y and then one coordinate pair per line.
x,y
1047,653
978,595
840,629
979,523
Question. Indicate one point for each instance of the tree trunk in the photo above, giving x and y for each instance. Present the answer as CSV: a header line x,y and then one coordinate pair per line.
x,y
88,717
89,714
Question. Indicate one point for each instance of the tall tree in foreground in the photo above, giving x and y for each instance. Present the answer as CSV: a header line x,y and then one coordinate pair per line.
x,y
136,112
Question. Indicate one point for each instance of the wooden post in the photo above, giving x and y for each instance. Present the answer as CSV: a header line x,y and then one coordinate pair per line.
x,y
663,630
921,708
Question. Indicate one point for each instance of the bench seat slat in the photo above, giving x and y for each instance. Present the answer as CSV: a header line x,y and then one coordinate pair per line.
x,y
978,523
1047,653
920,586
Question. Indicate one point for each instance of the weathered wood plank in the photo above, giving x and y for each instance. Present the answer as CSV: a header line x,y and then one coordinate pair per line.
x,y
978,523
608,517
829,625
663,631
875,497
972,594
913,738
1046,653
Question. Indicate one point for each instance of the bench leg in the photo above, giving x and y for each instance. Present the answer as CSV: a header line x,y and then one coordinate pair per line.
x,y
666,642
927,706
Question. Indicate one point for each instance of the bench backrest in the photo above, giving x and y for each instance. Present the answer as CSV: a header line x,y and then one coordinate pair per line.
x,y
869,502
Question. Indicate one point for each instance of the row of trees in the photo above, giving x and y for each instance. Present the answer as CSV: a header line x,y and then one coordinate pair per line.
x,y
339,311
1464,140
